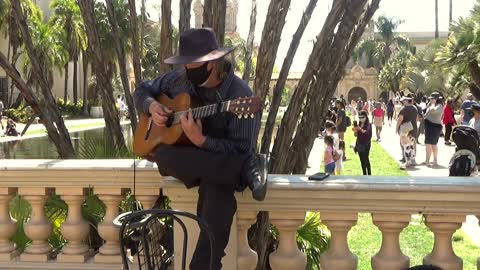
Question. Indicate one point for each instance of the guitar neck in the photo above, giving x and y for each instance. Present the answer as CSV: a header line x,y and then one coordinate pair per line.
x,y
204,111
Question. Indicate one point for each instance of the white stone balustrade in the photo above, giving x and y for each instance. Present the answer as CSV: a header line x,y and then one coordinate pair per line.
x,y
391,200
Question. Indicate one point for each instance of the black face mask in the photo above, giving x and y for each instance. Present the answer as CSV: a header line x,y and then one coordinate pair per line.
x,y
199,74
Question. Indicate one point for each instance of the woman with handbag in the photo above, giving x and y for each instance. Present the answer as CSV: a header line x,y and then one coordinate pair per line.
x,y
363,132
433,127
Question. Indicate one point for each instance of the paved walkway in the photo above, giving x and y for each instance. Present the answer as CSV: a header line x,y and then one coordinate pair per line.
x,y
391,143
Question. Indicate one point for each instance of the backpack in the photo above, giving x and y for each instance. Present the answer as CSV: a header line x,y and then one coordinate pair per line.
x,y
466,138
462,164
348,121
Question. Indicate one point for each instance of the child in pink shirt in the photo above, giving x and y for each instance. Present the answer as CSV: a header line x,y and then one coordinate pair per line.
x,y
378,119
328,155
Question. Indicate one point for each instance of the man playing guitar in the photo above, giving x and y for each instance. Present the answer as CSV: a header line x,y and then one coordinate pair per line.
x,y
222,159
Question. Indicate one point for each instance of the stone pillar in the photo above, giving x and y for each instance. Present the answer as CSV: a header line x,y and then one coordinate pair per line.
x,y
338,255
38,228
75,229
442,254
110,251
7,228
287,256
246,257
390,256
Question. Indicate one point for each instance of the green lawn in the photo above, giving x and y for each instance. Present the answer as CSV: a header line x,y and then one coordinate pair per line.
x,y
416,240
382,163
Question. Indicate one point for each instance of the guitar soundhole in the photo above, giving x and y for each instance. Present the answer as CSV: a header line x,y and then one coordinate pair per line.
x,y
170,120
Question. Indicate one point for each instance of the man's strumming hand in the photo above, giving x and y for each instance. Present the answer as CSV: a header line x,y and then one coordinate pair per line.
x,y
193,129
159,113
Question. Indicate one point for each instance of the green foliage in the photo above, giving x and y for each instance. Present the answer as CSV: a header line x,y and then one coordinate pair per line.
x,y
70,108
103,149
423,74
286,96
392,73
312,239
19,115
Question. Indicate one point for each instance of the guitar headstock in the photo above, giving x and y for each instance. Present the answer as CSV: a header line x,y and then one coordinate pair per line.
x,y
246,107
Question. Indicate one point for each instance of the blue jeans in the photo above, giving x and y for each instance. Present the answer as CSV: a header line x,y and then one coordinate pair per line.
x,y
330,168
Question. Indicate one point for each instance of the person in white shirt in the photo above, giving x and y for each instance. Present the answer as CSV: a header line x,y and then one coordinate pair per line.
x,y
475,121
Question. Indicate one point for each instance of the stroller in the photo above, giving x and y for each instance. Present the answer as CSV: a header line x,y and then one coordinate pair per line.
x,y
467,152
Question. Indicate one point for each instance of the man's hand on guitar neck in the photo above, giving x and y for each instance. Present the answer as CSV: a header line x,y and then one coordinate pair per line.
x,y
159,113
193,129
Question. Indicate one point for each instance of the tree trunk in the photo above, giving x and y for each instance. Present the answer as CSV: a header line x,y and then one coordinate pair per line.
x,y
75,80
295,107
12,86
85,86
184,22
142,25
219,13
436,20
208,13
272,32
112,121
282,78
57,132
122,64
249,48
450,15
65,91
8,103
348,34
166,34
474,71
136,53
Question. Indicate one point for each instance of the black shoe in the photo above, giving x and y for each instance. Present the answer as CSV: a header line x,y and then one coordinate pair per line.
x,y
402,160
256,175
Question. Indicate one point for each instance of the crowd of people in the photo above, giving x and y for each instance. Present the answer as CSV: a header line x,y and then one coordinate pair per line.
x,y
412,115
10,129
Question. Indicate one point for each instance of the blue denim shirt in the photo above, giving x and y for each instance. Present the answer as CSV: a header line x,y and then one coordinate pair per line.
x,y
242,134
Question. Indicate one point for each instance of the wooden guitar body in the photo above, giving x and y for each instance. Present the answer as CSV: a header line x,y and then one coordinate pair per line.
x,y
143,144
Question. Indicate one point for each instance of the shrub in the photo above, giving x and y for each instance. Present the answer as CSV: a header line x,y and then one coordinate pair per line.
x,y
69,108
21,115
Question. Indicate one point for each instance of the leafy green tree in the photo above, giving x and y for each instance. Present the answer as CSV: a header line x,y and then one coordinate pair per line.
x,y
424,74
392,73
462,48
66,15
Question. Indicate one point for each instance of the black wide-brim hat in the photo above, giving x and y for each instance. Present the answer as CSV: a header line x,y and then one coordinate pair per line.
x,y
198,45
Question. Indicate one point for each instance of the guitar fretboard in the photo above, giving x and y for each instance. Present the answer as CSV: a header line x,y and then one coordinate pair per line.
x,y
202,112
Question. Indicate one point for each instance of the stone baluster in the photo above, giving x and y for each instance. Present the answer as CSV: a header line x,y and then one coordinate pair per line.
x,y
338,255
442,254
75,229
7,226
287,256
110,251
246,257
390,256
147,200
38,228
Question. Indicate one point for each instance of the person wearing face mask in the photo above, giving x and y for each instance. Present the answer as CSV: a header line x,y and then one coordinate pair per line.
x,y
223,158
363,132
433,127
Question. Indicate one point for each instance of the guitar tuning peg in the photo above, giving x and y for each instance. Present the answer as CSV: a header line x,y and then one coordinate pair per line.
x,y
252,115
244,101
250,101
243,109
239,116
248,109
238,101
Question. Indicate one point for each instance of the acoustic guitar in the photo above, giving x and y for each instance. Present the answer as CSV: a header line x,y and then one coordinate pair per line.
x,y
148,135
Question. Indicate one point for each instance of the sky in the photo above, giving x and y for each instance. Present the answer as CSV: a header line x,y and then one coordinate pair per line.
x,y
418,16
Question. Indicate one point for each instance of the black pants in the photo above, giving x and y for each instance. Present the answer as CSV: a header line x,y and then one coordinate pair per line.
x,y
448,132
218,177
365,160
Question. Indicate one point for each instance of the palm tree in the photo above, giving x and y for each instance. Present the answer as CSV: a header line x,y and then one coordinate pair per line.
x,y
166,35
249,48
436,19
184,22
462,48
66,14
272,32
36,36
136,49
112,17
